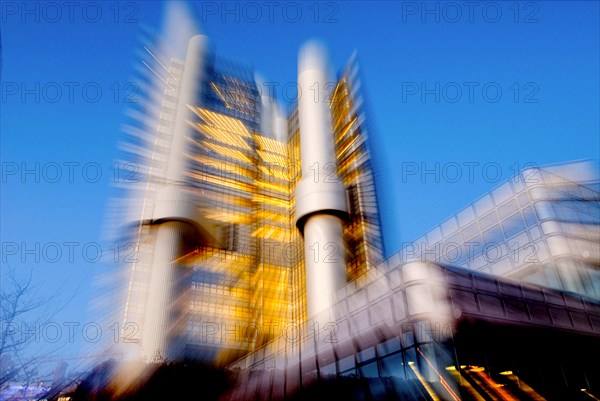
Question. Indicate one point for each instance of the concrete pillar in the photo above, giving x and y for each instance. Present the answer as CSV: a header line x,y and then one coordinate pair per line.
x,y
175,218
320,196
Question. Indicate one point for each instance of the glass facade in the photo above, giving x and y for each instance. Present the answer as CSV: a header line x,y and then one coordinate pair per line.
x,y
539,227
362,234
245,287
423,331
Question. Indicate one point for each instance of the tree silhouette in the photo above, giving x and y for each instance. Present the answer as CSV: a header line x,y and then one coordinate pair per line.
x,y
23,311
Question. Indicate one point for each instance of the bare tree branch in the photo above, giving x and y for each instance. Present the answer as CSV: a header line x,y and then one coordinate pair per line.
x,y
23,312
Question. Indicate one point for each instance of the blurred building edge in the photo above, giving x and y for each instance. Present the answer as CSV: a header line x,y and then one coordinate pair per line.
x,y
220,257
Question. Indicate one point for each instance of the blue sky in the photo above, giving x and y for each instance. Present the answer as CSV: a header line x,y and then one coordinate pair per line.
x,y
418,68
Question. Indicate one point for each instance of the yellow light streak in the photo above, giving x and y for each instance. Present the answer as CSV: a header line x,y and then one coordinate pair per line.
x,y
344,148
488,385
586,392
272,158
234,154
222,121
345,130
222,135
348,162
212,84
442,380
523,386
426,385
464,383
260,198
271,145
274,187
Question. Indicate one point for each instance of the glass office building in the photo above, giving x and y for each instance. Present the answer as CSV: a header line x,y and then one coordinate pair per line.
x,y
222,162
539,227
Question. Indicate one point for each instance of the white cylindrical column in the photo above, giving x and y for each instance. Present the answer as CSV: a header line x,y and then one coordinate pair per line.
x,y
324,261
320,195
160,328
189,93
174,217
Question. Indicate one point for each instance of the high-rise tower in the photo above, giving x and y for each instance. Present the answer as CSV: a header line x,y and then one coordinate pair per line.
x,y
251,220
